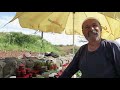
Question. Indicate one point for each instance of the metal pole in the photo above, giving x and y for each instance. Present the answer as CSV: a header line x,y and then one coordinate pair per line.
x,y
42,41
42,35
73,34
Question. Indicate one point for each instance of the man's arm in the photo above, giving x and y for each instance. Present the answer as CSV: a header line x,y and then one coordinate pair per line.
x,y
116,56
73,66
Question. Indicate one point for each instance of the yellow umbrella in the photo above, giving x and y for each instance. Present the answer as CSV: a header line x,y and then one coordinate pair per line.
x,y
67,22
114,15
62,22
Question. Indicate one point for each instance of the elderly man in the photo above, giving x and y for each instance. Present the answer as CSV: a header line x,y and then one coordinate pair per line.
x,y
99,58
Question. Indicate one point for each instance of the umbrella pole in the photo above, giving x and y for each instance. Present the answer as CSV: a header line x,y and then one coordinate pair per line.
x,y
73,35
42,41
42,35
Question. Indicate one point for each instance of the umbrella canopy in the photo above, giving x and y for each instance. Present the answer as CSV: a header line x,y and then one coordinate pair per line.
x,y
114,15
67,22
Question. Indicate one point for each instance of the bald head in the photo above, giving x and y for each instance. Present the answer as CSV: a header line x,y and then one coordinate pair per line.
x,y
91,18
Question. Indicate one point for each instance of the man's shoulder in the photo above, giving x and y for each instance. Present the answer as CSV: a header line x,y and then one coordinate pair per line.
x,y
83,46
107,41
111,42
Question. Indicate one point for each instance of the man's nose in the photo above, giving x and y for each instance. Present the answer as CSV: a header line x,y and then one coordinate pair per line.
x,y
92,28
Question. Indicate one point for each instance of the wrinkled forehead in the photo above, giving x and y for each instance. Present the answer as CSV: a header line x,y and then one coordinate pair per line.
x,y
90,21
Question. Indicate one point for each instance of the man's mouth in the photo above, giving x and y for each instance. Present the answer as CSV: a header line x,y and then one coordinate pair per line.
x,y
92,33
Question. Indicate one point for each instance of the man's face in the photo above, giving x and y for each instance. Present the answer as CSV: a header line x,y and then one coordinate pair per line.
x,y
91,30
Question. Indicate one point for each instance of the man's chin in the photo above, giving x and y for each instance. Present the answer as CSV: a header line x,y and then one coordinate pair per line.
x,y
93,38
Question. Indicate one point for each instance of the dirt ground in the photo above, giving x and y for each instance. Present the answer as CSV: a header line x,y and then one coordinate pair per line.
x,y
4,54
68,49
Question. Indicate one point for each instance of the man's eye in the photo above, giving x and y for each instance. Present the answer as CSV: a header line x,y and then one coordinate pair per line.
x,y
86,27
94,25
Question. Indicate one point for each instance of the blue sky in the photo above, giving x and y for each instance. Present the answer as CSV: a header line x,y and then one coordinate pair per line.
x,y
56,39
7,13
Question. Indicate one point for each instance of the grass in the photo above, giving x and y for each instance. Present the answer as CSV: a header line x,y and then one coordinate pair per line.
x,y
21,42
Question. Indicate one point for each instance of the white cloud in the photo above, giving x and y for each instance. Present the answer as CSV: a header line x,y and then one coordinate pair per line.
x,y
58,39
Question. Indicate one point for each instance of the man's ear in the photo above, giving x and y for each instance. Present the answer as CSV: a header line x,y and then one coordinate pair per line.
x,y
83,32
100,27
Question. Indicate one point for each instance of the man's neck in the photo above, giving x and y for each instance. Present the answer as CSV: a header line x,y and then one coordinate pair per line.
x,y
93,45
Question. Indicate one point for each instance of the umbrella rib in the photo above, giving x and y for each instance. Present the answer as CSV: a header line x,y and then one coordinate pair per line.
x,y
114,17
67,20
118,38
12,20
85,14
109,26
43,20
47,16
17,17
